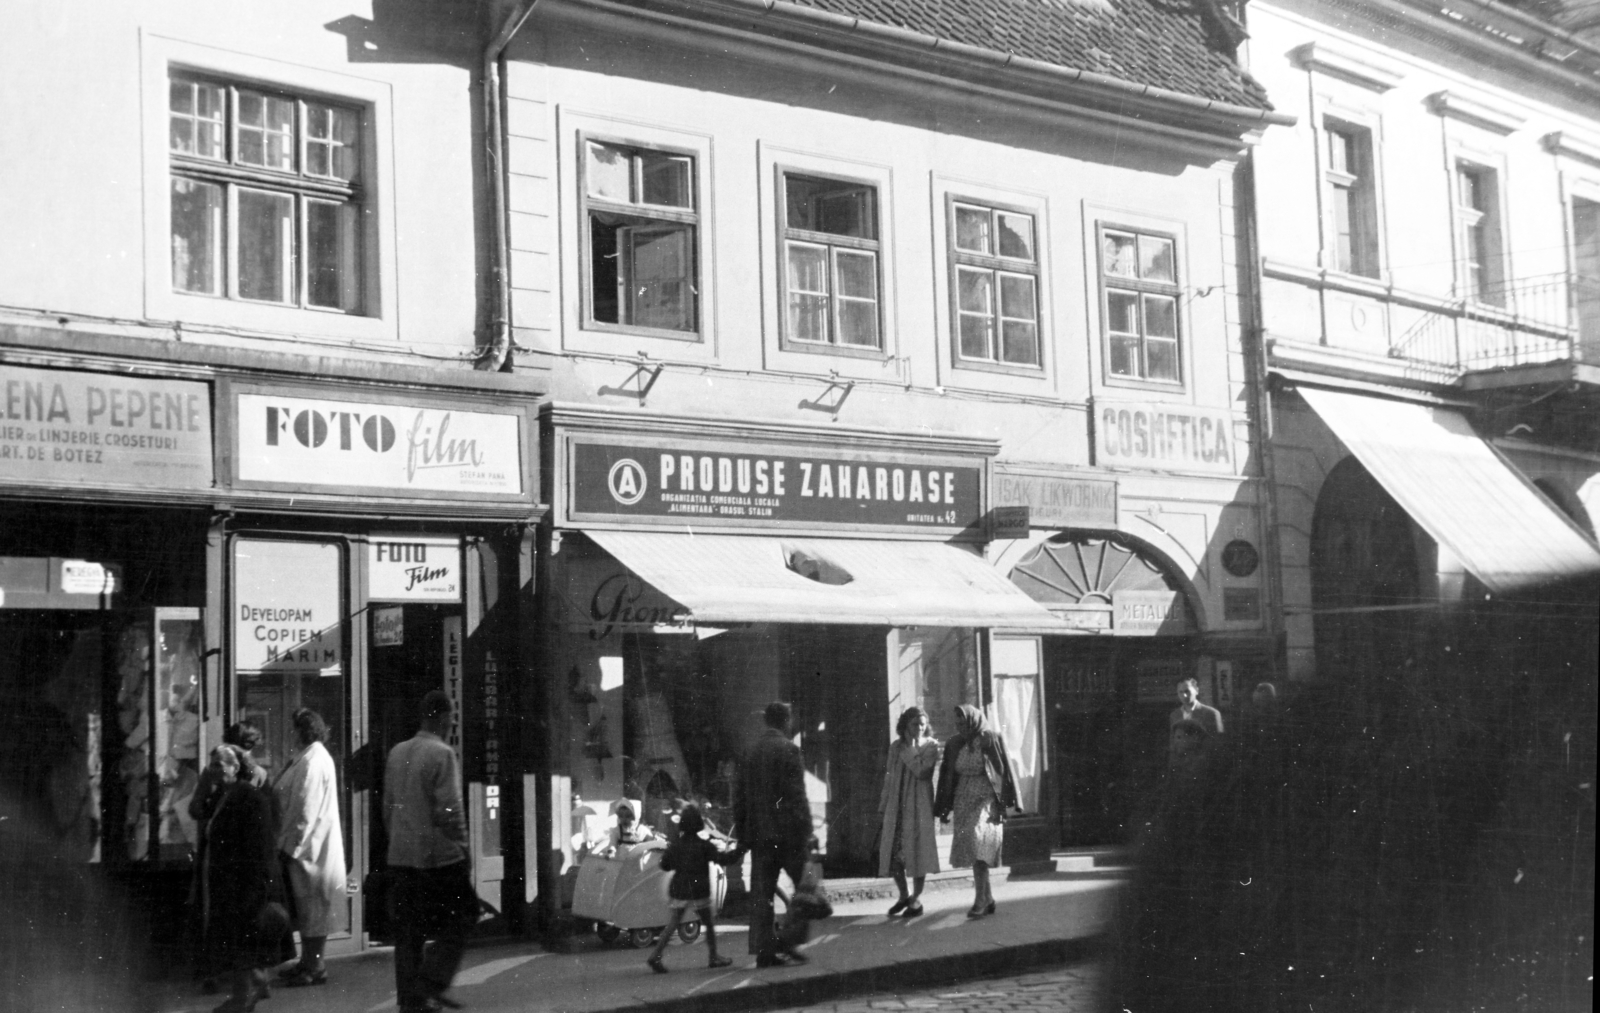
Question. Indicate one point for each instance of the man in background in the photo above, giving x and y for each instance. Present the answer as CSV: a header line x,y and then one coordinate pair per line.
x,y
431,893
773,822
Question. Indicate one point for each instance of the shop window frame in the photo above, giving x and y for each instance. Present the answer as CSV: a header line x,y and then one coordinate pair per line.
x,y
694,217
956,259
878,246
1106,283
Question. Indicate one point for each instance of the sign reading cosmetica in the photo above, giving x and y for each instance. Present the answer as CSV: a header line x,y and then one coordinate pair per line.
x,y
394,447
1168,437
715,483
66,427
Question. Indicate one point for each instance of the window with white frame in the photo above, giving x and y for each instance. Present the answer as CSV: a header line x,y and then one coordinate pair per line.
x,y
994,268
266,195
831,263
642,218
1139,283
1479,234
1586,274
1352,199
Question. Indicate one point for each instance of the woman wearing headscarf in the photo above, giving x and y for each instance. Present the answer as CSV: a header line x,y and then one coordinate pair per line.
x,y
975,790
906,847
311,846
241,892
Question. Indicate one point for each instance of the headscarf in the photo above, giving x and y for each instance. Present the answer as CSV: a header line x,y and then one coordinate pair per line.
x,y
970,721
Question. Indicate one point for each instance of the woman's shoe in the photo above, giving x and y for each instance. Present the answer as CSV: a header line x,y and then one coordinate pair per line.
x,y
990,909
656,965
912,910
976,912
716,962
304,976
899,906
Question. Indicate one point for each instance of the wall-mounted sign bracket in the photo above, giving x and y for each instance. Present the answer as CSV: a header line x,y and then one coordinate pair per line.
x,y
644,376
832,397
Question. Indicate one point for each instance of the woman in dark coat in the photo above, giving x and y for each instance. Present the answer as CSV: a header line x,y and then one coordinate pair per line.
x,y
239,878
975,790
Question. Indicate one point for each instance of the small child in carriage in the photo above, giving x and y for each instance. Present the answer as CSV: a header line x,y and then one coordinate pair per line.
x,y
689,858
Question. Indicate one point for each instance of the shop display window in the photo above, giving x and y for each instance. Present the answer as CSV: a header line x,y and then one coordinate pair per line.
x,y
1015,667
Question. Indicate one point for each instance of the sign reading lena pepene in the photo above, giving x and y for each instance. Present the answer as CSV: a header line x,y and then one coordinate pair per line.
x,y
65,427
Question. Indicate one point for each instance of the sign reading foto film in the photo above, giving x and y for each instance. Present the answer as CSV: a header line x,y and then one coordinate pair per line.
x,y
693,483
413,568
63,427
1166,437
392,448
286,614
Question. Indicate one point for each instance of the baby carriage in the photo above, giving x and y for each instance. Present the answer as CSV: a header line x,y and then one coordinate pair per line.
x,y
625,893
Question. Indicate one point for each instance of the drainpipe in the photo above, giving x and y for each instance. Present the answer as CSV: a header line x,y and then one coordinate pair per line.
x,y
496,356
1255,357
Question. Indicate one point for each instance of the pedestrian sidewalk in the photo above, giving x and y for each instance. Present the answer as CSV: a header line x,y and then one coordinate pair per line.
x,y
1040,920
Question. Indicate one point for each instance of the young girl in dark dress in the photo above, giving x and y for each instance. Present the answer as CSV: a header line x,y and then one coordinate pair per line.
x,y
690,858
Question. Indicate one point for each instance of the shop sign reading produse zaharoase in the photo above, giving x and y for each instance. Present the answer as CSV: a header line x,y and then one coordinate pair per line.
x,y
413,568
1166,437
286,614
706,484
65,427
392,448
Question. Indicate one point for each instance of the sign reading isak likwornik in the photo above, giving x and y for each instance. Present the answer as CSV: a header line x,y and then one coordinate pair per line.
x,y
694,483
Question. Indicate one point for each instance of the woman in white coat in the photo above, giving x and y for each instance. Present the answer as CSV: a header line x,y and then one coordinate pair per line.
x,y
311,846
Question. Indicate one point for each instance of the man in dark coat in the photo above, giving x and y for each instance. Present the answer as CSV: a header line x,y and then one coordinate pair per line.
x,y
773,821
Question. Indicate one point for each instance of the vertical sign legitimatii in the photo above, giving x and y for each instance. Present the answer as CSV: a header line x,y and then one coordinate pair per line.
x,y
452,678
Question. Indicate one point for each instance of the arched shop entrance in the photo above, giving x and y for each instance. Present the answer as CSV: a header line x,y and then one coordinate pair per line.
x,y
1365,580
1110,684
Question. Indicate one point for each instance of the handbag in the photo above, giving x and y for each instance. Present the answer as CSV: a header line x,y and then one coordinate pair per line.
x,y
810,899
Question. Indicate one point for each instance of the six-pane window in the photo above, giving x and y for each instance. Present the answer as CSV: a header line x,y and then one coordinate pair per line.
x,y
643,237
266,198
995,267
1352,197
1478,218
1139,277
830,230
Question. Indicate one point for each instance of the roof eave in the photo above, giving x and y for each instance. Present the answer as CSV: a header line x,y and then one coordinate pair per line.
x,y
1027,76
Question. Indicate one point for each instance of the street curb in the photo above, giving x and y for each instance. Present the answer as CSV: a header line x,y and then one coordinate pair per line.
x,y
910,974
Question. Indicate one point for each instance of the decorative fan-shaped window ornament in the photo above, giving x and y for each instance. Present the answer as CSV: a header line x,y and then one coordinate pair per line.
x,y
1097,583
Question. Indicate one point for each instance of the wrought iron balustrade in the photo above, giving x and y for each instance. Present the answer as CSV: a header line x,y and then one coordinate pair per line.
x,y
1547,318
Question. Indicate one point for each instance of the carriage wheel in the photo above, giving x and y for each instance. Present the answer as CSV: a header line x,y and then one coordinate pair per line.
x,y
689,931
640,938
607,932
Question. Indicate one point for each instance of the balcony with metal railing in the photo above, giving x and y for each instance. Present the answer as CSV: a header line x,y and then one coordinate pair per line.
x,y
1528,321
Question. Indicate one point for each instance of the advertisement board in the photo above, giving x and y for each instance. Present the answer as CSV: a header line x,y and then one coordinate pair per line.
x,y
66,427
287,617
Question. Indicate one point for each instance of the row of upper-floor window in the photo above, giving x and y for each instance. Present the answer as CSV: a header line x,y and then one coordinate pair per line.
x,y
1352,214
267,201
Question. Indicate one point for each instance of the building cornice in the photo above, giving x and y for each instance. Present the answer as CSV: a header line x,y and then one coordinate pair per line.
x,y
1359,69
893,50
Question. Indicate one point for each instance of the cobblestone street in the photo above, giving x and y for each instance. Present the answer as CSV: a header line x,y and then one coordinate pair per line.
x,y
1060,990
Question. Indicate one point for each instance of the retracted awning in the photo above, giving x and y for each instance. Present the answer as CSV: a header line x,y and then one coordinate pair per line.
x,y
1459,490
759,579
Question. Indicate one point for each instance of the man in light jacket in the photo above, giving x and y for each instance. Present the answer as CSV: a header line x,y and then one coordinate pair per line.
x,y
431,896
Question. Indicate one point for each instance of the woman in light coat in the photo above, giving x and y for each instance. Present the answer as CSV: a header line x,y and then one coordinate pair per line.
x,y
906,847
311,846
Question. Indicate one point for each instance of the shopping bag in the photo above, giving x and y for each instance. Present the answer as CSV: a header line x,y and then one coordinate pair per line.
x,y
810,896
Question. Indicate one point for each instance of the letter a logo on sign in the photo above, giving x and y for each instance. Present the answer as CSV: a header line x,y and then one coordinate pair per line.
x,y
627,482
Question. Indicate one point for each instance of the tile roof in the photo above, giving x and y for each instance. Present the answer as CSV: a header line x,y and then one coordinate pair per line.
x,y
1161,43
